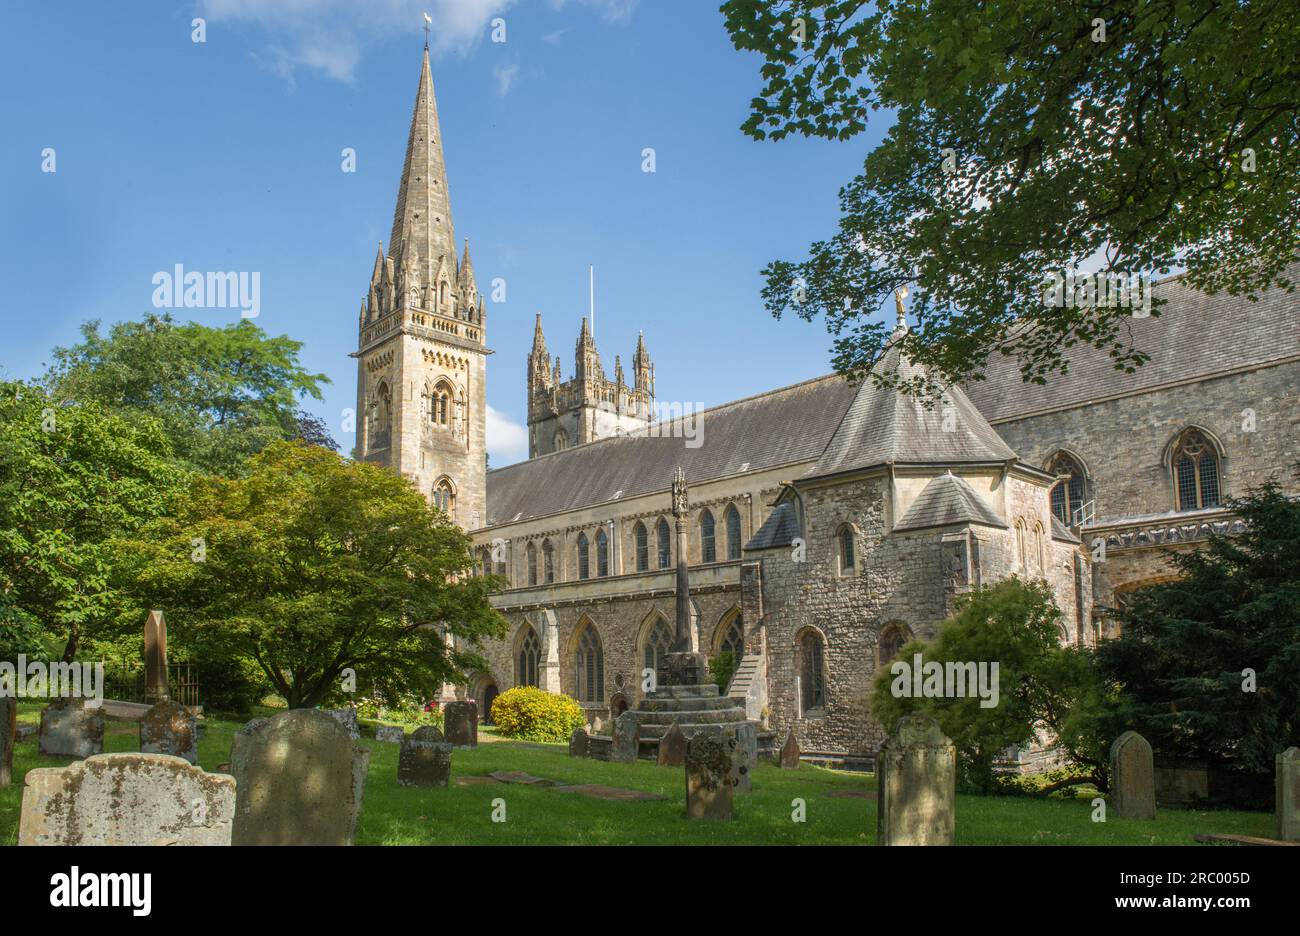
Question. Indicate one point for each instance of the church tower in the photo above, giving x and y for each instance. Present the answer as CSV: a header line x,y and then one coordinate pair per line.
x,y
421,356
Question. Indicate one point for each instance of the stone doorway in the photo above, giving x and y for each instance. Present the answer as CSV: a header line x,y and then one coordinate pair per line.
x,y
489,696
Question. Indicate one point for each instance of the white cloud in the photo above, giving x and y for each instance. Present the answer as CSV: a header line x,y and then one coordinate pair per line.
x,y
612,11
504,75
507,441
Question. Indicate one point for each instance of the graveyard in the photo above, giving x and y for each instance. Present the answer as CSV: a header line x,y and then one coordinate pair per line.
x,y
839,807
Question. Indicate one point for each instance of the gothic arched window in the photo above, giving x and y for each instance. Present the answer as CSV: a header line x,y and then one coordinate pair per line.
x,y
584,565
708,545
443,498
548,561
732,639
663,543
1067,495
892,640
642,547
530,655
658,643
1021,547
532,564
1196,472
381,418
602,553
560,441
812,671
486,558
731,519
589,667
847,553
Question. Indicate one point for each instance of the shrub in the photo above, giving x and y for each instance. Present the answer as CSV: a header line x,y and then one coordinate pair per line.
x,y
533,714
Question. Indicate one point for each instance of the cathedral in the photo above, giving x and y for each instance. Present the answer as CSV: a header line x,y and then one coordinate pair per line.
x,y
829,524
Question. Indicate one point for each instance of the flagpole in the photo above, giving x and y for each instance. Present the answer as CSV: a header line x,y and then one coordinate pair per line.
x,y
591,272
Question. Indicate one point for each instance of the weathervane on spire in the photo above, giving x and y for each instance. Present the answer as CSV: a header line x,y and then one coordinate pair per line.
x,y
428,21
899,296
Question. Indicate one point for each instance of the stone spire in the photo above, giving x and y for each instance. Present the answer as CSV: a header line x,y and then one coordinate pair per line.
x,y
587,359
641,367
539,359
422,228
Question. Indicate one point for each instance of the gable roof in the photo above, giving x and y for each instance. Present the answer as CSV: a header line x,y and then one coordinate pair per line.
x,y
945,501
779,529
780,427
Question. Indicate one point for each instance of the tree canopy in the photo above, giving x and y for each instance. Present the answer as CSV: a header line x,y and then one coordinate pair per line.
x,y
1032,137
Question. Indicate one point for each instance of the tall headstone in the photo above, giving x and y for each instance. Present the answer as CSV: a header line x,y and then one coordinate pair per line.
x,y
460,724
170,728
789,756
70,728
155,659
8,738
709,791
742,742
626,740
425,759
579,743
1288,795
347,717
672,747
126,799
916,785
300,780
1132,778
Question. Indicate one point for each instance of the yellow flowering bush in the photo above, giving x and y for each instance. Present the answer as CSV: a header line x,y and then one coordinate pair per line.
x,y
533,714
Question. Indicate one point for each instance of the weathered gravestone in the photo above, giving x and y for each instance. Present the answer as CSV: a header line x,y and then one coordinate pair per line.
x,y
1132,778
672,747
709,791
916,785
70,728
390,734
460,724
626,739
155,659
301,779
1288,795
8,738
579,743
789,756
126,799
348,719
170,728
743,744
425,759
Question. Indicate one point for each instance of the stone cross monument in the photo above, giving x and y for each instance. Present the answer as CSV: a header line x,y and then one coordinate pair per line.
x,y
155,659
683,667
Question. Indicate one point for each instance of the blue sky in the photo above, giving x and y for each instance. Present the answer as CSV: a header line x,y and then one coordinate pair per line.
x,y
226,154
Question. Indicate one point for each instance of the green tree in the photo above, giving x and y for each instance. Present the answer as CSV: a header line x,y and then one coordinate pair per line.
x,y
1186,646
221,394
312,565
71,479
1030,136
1039,684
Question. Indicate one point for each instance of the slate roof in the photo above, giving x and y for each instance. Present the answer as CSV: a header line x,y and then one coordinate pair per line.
x,y
1194,335
776,428
779,529
1062,532
883,425
945,501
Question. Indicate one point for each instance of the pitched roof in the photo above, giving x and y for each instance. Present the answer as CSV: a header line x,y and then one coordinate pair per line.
x,y
883,425
945,501
779,529
1195,335
776,428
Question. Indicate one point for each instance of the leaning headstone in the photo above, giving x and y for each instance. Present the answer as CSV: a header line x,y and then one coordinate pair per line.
x,y
743,743
348,719
916,785
300,780
1288,795
8,738
425,759
70,728
1132,778
170,728
789,757
126,799
709,793
155,659
627,739
579,743
390,734
672,747
460,724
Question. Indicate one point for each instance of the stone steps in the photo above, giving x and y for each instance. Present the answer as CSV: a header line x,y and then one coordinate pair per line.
x,y
744,677
677,705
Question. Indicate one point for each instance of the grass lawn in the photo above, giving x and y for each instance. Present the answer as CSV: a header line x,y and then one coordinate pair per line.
x,y
460,815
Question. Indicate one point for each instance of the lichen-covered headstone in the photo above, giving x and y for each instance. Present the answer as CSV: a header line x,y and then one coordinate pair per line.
x,y
301,780
916,785
1132,778
70,728
170,728
425,759
460,724
789,757
390,734
126,799
348,719
579,743
1288,795
626,739
8,738
672,747
709,792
